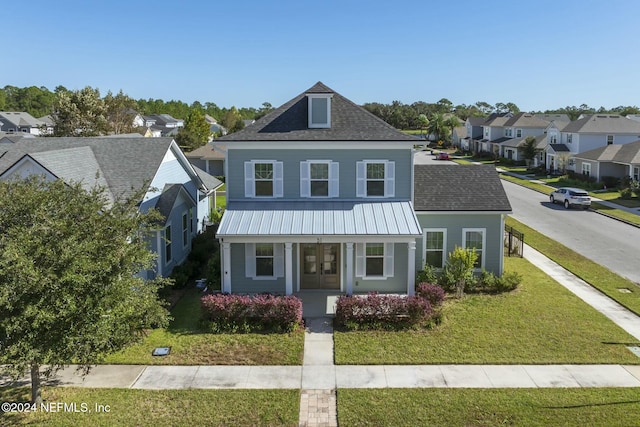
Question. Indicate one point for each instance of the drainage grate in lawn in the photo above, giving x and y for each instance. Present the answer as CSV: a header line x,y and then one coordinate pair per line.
x,y
635,350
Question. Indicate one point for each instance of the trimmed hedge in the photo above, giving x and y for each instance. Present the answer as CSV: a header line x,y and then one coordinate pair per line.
x,y
388,312
432,293
251,313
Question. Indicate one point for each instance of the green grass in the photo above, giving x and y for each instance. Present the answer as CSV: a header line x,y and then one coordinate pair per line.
x,y
616,213
160,408
591,272
221,201
539,323
489,407
526,183
191,346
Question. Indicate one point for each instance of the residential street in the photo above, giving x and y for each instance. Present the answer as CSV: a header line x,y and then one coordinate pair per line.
x,y
611,243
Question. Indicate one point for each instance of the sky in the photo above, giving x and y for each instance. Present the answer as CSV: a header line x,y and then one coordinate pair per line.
x,y
541,54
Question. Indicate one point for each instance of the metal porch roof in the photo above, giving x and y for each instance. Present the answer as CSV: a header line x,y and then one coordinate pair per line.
x,y
319,219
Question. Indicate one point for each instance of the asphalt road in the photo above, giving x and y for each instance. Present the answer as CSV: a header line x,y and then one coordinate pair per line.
x,y
606,241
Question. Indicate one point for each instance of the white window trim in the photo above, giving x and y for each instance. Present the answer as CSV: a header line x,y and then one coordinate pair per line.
x,y
167,242
508,132
484,244
518,133
185,229
613,139
636,173
569,138
586,167
361,258
250,262
389,178
444,244
333,179
310,98
250,183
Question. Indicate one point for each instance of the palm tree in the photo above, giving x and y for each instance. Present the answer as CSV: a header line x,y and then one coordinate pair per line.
x,y
423,121
437,127
452,122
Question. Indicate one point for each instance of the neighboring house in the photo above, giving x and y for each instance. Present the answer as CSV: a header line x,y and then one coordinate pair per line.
x,y
180,192
460,205
458,134
474,132
616,160
319,197
513,149
588,133
492,132
215,127
210,158
21,122
518,127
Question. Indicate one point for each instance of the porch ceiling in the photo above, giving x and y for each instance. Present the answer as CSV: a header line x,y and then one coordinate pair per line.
x,y
319,219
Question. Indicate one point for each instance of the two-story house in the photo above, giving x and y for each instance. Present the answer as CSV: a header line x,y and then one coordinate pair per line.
x,y
21,122
588,133
492,132
473,127
122,165
516,130
319,197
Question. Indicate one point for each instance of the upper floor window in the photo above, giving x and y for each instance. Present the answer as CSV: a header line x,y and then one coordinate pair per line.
x,y
474,238
508,132
636,173
518,133
319,178
486,131
263,178
375,178
569,138
185,229
586,169
553,139
609,139
319,110
374,260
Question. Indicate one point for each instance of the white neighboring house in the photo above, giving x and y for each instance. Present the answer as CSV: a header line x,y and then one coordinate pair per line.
x,y
21,122
588,133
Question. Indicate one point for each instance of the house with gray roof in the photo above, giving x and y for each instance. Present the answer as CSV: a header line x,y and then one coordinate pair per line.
x,y
122,165
210,157
460,205
319,197
615,160
21,122
588,133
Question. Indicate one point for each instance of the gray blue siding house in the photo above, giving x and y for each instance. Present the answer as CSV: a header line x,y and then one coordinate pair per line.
x,y
460,205
179,191
319,197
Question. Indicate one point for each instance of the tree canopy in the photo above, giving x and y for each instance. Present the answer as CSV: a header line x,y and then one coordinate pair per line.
x,y
195,133
70,290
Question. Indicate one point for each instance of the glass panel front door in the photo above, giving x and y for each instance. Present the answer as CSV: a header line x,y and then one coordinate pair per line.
x,y
320,266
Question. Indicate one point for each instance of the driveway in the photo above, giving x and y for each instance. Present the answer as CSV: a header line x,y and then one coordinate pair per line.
x,y
611,243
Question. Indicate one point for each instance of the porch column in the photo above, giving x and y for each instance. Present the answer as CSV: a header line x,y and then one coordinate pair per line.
x,y
226,267
160,251
288,268
411,269
349,261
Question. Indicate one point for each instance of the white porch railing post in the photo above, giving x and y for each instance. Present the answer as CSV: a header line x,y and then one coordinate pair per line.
x,y
411,269
349,289
226,267
288,266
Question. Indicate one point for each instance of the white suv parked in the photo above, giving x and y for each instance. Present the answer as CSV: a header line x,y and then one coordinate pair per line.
x,y
571,197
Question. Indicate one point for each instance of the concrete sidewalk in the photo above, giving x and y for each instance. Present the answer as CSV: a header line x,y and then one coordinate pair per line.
x,y
354,376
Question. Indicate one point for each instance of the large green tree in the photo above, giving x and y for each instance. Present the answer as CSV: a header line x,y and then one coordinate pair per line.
x,y
437,127
80,113
120,110
195,133
69,285
451,123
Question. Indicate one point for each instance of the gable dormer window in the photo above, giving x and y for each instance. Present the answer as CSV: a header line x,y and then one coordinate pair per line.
x,y
319,110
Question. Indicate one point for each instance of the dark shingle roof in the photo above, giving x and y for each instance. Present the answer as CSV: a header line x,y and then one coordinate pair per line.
x,y
618,153
127,163
459,188
603,123
289,122
559,148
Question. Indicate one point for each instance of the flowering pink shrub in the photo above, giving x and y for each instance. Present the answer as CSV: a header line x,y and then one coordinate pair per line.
x,y
374,311
432,293
251,313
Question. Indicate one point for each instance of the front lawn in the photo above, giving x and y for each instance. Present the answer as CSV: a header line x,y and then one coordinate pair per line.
x,y
159,408
191,346
591,272
489,407
539,323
